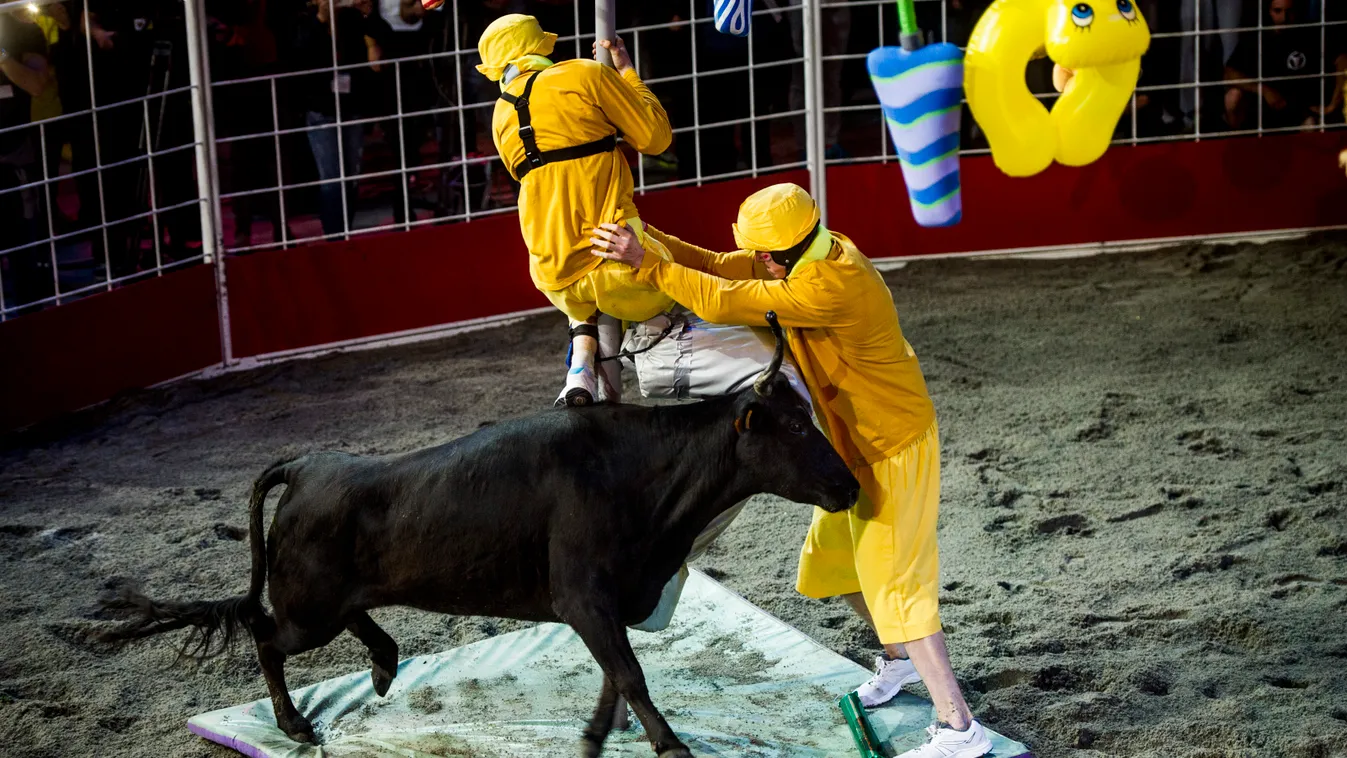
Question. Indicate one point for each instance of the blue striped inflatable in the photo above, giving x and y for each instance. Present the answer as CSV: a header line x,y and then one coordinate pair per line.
x,y
921,93
733,16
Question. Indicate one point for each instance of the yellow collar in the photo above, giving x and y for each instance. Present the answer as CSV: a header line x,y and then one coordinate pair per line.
x,y
522,65
818,250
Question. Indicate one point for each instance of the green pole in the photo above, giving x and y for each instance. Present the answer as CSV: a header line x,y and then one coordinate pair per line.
x,y
852,710
910,35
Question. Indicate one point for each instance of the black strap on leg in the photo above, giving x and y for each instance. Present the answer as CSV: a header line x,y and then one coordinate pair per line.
x,y
535,158
585,330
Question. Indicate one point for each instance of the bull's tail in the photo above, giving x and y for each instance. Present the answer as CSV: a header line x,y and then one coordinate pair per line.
x,y
214,624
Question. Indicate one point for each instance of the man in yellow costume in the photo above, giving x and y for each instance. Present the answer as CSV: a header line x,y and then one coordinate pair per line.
x,y
870,398
555,127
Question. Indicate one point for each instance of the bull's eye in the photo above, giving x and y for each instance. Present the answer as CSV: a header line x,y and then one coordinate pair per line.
x,y
796,428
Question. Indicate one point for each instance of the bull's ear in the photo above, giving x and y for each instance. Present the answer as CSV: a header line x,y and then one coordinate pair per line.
x,y
745,421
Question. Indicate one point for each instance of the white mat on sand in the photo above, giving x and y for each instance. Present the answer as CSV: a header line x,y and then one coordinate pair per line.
x,y
731,679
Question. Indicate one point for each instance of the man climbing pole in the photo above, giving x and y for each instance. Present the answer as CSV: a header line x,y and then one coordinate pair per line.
x,y
556,127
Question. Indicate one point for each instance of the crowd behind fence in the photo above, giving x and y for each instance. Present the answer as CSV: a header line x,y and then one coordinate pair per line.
x,y
332,118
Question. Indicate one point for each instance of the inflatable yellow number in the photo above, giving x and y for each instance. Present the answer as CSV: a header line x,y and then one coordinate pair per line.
x,y
1101,42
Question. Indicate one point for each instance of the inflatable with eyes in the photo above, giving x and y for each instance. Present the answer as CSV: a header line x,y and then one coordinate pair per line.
x,y
1100,41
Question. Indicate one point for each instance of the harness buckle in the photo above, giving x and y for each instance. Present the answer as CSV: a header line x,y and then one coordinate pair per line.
x,y
525,132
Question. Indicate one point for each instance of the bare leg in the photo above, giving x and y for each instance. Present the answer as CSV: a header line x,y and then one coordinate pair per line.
x,y
610,343
932,661
931,658
383,650
857,603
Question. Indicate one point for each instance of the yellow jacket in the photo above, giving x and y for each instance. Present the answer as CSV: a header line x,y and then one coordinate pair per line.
x,y
574,102
843,331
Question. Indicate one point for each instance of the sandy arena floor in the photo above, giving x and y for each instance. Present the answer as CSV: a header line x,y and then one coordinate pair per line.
x,y
1144,525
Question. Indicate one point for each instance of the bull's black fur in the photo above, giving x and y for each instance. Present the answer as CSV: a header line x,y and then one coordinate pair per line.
x,y
579,516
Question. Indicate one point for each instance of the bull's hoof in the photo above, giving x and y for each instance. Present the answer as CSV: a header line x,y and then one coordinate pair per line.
x,y
590,748
300,730
382,679
677,752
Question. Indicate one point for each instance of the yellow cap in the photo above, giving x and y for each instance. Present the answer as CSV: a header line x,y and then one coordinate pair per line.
x,y
775,218
509,39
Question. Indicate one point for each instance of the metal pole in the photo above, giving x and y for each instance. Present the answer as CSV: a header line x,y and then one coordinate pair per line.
x,y
98,149
203,135
605,26
813,104
200,131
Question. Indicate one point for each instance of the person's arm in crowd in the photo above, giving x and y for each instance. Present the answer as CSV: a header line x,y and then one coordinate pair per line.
x,y
29,71
1339,87
736,265
60,14
104,39
373,52
411,11
630,105
1270,95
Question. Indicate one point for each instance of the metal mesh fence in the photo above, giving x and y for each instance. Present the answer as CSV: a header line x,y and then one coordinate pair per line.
x,y
370,116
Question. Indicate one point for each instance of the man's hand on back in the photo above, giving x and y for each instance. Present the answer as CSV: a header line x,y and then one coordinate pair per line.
x,y
618,243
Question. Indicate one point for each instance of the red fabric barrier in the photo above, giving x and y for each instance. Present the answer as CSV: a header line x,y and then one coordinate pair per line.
x,y
63,359
1171,189
378,284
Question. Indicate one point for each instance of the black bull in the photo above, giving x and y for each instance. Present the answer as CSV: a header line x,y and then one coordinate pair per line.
x,y
579,516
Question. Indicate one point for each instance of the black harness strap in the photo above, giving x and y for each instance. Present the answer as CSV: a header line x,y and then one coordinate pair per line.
x,y
533,157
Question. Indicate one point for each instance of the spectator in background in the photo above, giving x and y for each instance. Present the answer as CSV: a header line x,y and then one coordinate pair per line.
x,y
405,37
1336,45
1285,52
54,23
357,28
24,75
245,47
70,62
836,33
1216,49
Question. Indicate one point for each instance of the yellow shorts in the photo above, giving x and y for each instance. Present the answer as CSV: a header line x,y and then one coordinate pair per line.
x,y
612,289
884,547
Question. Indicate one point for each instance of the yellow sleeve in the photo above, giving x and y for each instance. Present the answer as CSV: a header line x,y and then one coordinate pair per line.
x,y
633,109
805,301
736,265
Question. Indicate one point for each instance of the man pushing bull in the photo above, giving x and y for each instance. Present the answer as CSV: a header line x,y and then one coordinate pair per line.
x,y
555,127
870,396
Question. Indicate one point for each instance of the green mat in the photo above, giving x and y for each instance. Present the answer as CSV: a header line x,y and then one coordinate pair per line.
x,y
731,679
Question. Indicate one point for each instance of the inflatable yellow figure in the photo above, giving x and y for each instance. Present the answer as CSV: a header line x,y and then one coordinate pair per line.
x,y
1101,42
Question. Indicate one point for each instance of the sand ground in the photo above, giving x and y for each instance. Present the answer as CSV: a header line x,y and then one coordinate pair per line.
x,y
1143,530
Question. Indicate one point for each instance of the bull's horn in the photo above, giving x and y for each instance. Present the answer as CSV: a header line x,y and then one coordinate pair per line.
x,y
763,384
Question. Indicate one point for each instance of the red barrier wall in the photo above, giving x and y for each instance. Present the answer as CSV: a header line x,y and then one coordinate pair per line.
x,y
66,358
376,284
63,359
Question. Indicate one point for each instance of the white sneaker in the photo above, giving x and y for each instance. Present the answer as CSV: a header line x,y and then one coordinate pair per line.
x,y
890,677
581,388
944,742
